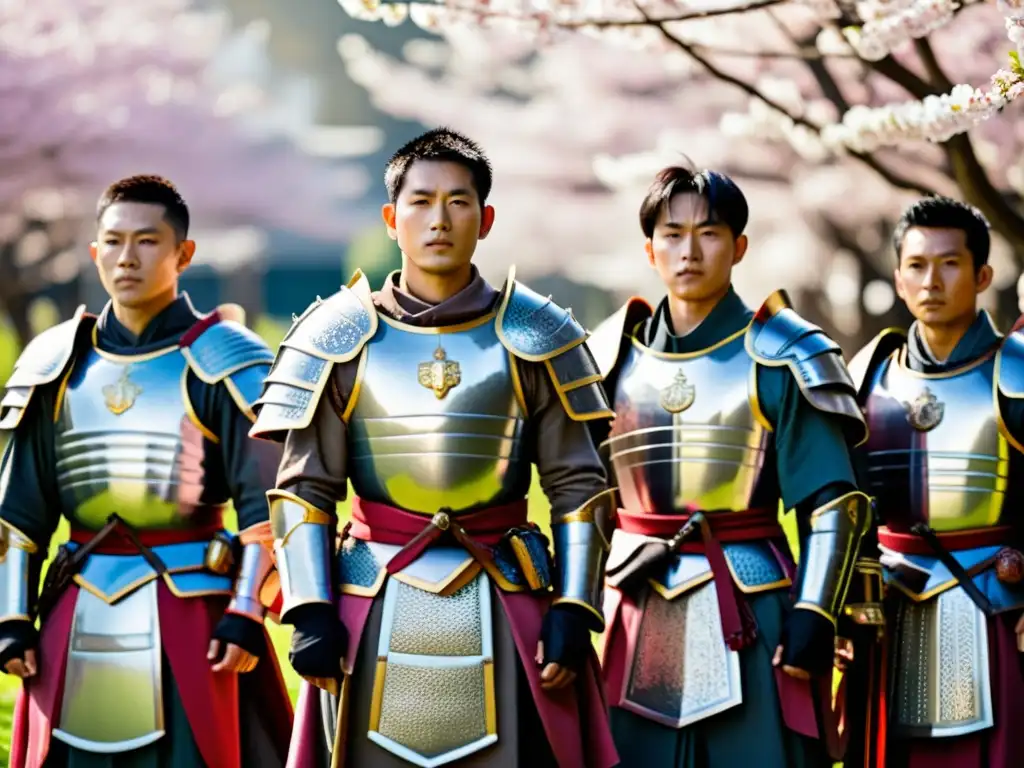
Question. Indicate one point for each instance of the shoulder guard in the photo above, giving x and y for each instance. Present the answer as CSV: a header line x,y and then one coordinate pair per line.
x,y
1010,366
533,327
331,330
779,336
43,361
864,364
608,341
577,381
219,350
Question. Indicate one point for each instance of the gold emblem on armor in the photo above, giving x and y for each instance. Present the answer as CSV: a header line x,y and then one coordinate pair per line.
x,y
441,374
678,395
122,395
925,412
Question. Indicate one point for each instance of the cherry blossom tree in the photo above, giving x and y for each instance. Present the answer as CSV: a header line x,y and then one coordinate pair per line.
x,y
93,90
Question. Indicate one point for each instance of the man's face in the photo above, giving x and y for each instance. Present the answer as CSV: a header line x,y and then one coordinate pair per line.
x,y
936,276
137,254
693,256
437,219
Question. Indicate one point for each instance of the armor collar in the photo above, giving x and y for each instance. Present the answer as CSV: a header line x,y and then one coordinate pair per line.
x,y
729,316
164,330
976,342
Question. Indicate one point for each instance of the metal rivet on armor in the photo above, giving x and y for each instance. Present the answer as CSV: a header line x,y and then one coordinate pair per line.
x,y
441,520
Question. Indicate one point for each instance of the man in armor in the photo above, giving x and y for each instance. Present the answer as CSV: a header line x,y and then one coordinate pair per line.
x,y
944,402
133,426
436,628
718,651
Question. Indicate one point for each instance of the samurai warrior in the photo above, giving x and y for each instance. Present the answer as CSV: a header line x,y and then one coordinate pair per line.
x,y
436,629
133,427
719,650
945,405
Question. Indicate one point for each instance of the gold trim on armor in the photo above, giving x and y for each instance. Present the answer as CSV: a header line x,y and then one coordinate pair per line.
x,y
1004,430
221,375
817,609
490,708
686,355
370,591
438,329
190,411
584,513
357,385
18,543
236,394
509,289
143,581
311,514
754,399
686,586
901,358
574,601
377,698
115,358
785,581
517,384
525,562
61,392
440,587
594,379
603,414
16,617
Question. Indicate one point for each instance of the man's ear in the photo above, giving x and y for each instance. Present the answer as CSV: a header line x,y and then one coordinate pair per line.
x,y
387,212
985,275
486,221
741,249
186,252
649,250
94,249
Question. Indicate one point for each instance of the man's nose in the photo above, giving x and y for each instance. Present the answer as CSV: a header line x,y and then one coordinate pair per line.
x,y
441,220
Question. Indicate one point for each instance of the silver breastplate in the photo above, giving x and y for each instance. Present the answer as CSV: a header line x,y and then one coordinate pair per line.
x,y
686,430
935,453
127,441
438,420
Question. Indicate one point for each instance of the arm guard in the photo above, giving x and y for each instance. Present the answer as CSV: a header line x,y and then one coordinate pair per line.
x,y
582,539
535,329
43,361
303,536
257,563
16,551
829,553
779,336
332,330
225,351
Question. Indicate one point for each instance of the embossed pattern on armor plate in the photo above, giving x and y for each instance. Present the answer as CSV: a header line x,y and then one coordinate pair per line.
x,y
952,474
413,450
681,670
146,464
942,677
709,454
435,625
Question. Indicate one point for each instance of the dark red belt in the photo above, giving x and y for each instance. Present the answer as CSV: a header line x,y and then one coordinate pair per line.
x,y
415,532
954,541
738,625
116,542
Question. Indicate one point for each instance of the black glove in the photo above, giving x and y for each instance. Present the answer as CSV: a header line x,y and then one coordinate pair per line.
x,y
319,641
16,637
808,642
242,631
566,637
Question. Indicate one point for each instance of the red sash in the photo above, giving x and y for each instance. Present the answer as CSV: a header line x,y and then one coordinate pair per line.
x,y
954,541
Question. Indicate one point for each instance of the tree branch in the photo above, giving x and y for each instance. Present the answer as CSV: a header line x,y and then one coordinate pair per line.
x,y
931,64
647,21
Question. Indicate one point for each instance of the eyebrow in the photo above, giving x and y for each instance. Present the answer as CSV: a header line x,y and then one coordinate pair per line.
x,y
943,255
143,231
430,193
705,223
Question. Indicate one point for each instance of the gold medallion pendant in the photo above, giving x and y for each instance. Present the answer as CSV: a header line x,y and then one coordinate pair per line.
x,y
678,395
121,395
441,374
925,412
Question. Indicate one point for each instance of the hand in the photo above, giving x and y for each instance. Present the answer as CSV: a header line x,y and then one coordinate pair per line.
x,y
563,648
808,645
319,642
237,644
18,640
843,653
1019,629
235,659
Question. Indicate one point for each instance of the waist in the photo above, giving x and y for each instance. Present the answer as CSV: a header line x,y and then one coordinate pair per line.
x,y
373,521
907,543
118,543
742,525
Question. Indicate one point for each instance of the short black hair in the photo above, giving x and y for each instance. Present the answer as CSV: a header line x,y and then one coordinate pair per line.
x,y
148,189
946,213
726,203
444,145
